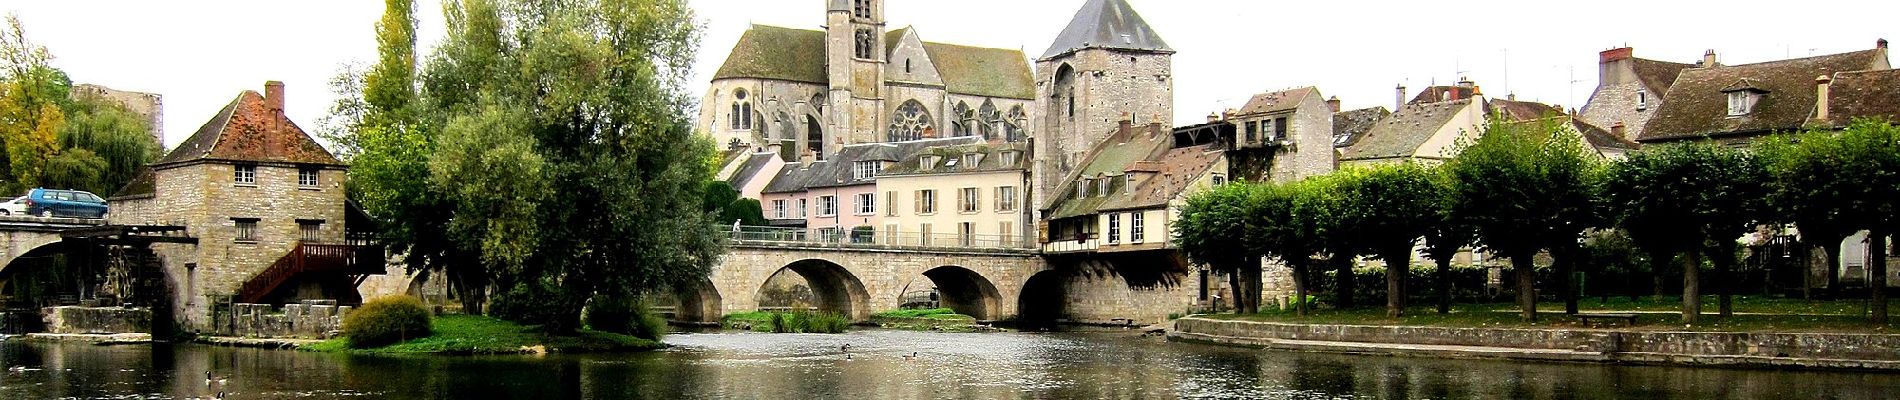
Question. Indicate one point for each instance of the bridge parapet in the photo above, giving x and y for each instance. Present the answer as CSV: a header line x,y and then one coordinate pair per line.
x,y
40,224
834,239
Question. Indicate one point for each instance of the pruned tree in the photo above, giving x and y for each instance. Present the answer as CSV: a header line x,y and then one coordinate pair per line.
x,y
1520,184
1390,207
1217,229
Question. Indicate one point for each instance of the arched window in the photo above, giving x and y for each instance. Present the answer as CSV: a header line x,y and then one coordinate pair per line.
x,y
962,120
1064,94
741,111
818,103
1013,128
862,8
909,123
991,120
867,44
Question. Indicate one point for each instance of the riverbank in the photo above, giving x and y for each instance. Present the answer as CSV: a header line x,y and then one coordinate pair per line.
x,y
474,334
1744,349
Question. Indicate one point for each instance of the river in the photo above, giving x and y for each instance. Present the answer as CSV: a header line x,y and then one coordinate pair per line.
x,y
1109,365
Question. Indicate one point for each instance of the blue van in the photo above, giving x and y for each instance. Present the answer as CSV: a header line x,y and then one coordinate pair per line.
x,y
64,203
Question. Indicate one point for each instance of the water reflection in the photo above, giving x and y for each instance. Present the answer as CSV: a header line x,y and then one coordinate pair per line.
x,y
947,366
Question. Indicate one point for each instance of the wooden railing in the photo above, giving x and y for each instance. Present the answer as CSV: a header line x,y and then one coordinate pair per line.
x,y
345,259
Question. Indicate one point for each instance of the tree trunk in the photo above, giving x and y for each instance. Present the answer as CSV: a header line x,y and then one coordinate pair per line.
x,y
1724,260
1235,288
1342,267
1807,271
1877,279
1659,262
1299,287
473,291
1691,287
1398,262
1251,270
1833,249
1526,285
1566,271
1444,285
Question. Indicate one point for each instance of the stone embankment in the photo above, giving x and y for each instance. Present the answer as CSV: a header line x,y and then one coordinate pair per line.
x,y
1775,350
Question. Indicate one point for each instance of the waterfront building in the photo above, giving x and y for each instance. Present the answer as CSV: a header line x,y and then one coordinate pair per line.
x,y
964,195
840,194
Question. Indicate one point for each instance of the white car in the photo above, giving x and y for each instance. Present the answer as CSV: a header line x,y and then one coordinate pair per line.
x,y
17,206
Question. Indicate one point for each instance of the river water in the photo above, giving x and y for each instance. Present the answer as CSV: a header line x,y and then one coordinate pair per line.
x,y
1110,365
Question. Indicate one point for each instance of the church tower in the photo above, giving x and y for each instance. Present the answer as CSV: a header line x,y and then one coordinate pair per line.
x,y
854,62
1107,66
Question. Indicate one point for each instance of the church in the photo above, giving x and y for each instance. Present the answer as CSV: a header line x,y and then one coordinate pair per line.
x,y
810,92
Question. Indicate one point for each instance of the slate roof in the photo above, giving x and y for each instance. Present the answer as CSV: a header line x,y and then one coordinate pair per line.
x,y
950,160
835,170
1601,138
1350,125
142,185
1400,134
1523,110
798,55
247,130
748,171
1434,94
1106,24
1864,94
1272,102
1658,76
1697,106
1110,158
1172,172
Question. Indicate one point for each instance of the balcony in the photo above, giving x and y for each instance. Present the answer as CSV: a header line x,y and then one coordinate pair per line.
x,y
355,258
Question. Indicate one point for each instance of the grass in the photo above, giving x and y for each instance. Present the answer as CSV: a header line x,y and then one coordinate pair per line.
x,y
918,313
927,319
474,334
1752,314
787,322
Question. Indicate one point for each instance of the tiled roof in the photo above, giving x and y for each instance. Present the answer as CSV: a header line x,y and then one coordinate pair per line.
x,y
1106,24
835,170
1601,138
143,185
1271,102
1171,174
1434,94
1697,106
748,171
1401,134
950,159
1658,76
1350,125
798,55
247,130
1523,110
1110,158
1864,94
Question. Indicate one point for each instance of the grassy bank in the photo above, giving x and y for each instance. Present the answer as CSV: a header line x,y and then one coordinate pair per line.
x,y
929,319
474,334
1751,315
787,322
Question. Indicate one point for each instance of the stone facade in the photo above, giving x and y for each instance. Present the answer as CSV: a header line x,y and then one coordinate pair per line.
x,y
150,106
1084,96
867,280
97,320
310,319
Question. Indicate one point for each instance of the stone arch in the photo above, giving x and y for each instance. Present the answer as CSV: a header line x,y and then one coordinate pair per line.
x,y
1042,302
20,278
1063,107
834,288
20,244
962,120
989,120
966,291
698,303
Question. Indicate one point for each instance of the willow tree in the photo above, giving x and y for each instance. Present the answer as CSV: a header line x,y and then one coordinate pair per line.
x,y
104,145
1389,208
1520,185
1216,230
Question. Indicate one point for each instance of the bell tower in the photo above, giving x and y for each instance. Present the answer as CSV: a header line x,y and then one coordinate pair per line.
x,y
1107,66
855,57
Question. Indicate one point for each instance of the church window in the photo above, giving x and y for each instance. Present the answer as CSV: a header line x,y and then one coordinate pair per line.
x,y
741,111
911,122
992,120
962,120
1013,131
906,65
867,44
861,8
1071,104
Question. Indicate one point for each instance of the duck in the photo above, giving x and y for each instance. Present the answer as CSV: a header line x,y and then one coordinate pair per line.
x,y
911,357
209,380
17,368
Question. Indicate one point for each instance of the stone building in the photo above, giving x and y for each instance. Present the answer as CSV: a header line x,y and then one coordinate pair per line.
x,y
265,202
833,196
1424,131
1106,66
970,195
150,106
1288,132
1735,104
815,92
1629,90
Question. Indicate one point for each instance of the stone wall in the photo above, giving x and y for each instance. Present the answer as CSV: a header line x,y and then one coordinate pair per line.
x,y
97,320
871,278
1109,86
1726,348
314,319
1102,298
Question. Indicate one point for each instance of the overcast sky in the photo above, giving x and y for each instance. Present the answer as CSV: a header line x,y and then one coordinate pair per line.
x,y
199,54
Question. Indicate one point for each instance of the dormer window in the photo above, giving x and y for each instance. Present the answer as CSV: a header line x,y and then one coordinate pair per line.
x,y
1010,158
862,170
926,163
1742,96
1101,186
1738,103
1082,188
1642,100
970,160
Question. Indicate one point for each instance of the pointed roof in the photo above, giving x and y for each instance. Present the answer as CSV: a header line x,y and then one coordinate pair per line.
x,y
1107,24
247,130
798,55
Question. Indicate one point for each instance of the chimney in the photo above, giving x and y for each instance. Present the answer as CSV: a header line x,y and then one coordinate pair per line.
x,y
1708,59
274,96
1333,103
1401,98
1880,44
1616,54
1617,130
1821,96
807,158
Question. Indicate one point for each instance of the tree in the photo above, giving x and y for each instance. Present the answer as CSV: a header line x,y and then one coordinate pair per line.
x,y
111,142
1216,230
1685,199
1519,182
1450,232
32,96
1808,173
1390,207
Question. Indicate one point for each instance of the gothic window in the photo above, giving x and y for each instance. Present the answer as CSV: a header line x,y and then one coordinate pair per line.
x,y
815,141
962,120
741,111
992,120
818,103
867,44
861,8
910,122
1013,130
1063,101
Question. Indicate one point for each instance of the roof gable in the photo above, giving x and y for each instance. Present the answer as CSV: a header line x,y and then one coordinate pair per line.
x,y
247,130
1655,75
1698,106
1350,125
1405,131
1107,24
1273,102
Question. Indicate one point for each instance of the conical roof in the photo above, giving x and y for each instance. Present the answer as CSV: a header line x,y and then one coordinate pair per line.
x,y
1107,24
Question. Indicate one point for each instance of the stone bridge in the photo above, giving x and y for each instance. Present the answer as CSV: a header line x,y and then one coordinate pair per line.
x,y
858,280
32,236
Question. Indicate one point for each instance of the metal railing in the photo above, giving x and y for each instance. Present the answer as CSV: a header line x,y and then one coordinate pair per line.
x,y
845,237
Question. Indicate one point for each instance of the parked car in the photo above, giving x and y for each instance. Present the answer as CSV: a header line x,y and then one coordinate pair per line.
x,y
17,206
64,203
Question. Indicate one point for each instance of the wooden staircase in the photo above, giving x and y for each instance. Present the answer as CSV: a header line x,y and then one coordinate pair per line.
x,y
344,259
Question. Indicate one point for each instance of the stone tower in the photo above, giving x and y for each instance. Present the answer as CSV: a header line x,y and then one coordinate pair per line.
x,y
854,59
1107,66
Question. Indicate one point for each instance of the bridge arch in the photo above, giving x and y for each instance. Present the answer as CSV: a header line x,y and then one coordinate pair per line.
x,y
834,288
1042,301
698,302
23,244
966,291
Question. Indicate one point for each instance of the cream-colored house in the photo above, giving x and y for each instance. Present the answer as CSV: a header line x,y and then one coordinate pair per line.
x,y
1420,131
970,195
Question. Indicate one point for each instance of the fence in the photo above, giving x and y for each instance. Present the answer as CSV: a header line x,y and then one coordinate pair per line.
x,y
838,237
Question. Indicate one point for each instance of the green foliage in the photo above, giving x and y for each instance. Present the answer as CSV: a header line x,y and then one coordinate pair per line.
x,y
529,303
386,320
1673,198
474,334
116,144
33,96
630,317
788,322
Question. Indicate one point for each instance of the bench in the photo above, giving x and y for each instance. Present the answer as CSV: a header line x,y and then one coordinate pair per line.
x,y
1629,319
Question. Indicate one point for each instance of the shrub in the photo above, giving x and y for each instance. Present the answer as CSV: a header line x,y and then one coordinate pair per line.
x,y
627,317
535,303
386,320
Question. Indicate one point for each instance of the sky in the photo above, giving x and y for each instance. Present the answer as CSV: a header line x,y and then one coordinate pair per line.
x,y
200,54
